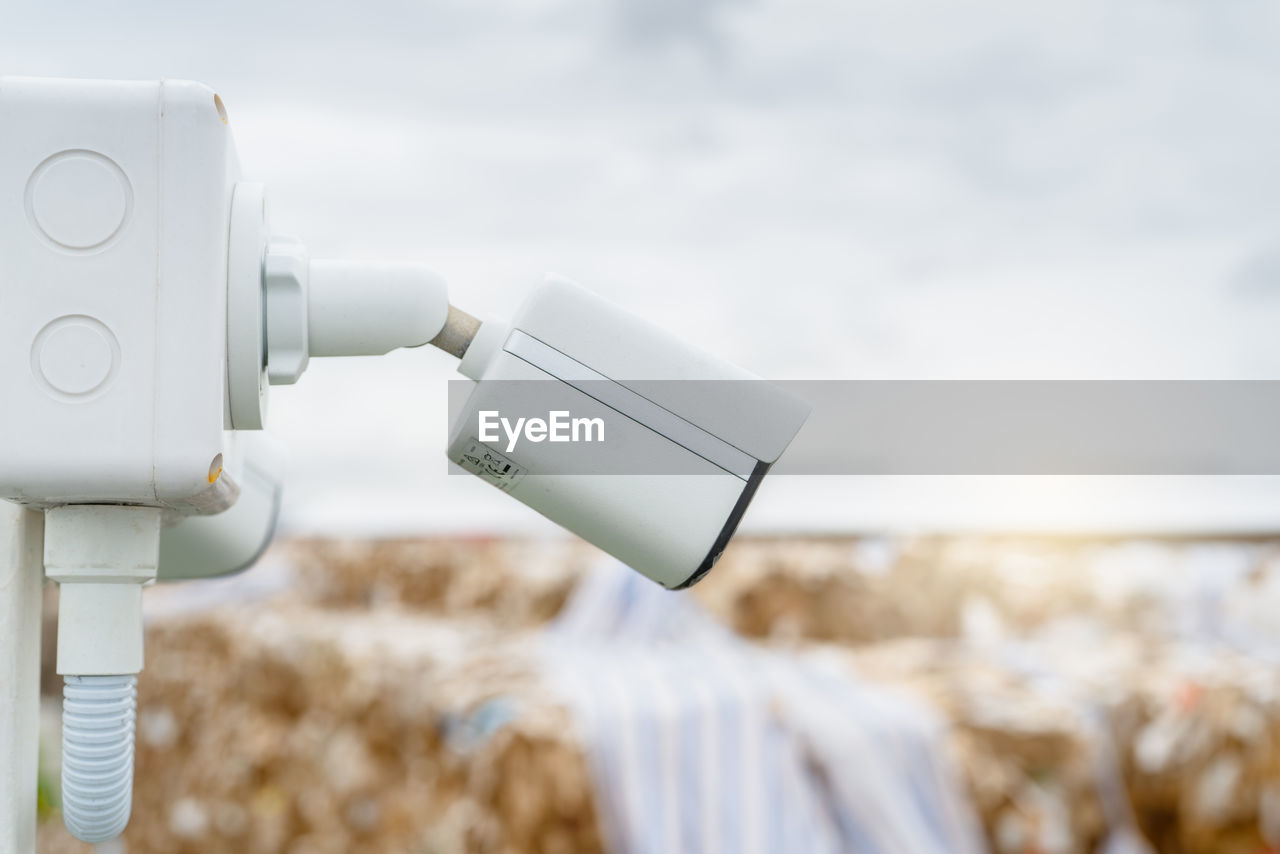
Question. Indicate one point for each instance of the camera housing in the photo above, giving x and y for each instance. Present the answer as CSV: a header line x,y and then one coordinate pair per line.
x,y
684,438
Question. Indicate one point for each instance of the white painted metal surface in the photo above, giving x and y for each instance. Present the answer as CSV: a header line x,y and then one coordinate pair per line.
x,y
21,576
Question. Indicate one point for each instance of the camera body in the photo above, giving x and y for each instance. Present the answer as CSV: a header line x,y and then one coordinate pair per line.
x,y
618,431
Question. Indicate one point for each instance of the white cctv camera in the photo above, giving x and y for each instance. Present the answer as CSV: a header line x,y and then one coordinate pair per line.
x,y
619,431
147,309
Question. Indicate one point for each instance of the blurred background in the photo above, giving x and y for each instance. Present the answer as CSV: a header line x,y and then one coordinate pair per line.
x,y
814,190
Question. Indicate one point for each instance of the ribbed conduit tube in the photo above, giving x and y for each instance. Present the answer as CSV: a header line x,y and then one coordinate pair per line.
x,y
97,754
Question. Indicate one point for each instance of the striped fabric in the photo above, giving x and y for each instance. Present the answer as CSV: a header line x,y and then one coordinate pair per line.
x,y
700,742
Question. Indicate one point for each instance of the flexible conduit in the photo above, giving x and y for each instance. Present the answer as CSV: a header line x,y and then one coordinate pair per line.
x,y
97,754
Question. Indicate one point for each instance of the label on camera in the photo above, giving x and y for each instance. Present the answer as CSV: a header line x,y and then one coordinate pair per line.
x,y
478,458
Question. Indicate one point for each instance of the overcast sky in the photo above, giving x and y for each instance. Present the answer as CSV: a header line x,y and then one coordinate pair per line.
x,y
812,188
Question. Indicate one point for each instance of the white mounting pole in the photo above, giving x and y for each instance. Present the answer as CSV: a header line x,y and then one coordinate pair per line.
x,y
21,577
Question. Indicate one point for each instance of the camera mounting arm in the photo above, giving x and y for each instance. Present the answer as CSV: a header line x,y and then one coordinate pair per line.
x,y
284,307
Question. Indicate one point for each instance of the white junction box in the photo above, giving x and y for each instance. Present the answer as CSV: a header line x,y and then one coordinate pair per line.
x,y
114,211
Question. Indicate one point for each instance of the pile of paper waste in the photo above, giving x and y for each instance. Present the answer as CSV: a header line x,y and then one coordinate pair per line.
x,y
1016,695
